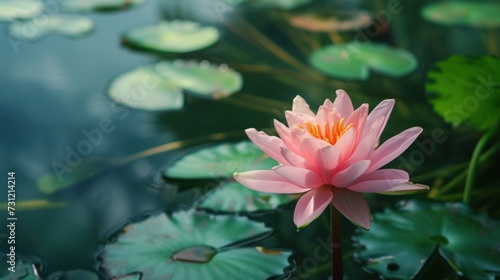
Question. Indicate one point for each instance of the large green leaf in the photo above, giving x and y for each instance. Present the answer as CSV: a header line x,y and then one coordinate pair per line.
x,y
219,161
234,197
19,9
466,89
173,36
354,60
191,245
468,13
99,5
203,79
159,86
66,25
400,241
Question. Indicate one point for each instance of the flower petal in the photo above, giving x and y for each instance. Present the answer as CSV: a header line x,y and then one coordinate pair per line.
x,y
311,205
345,177
353,206
383,109
301,106
406,188
296,160
393,147
342,104
269,144
295,119
285,134
379,180
267,181
328,158
346,142
299,176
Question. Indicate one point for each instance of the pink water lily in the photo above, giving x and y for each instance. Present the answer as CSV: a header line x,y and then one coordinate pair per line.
x,y
333,157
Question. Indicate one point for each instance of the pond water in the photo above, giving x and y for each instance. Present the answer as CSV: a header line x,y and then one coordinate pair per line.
x,y
53,101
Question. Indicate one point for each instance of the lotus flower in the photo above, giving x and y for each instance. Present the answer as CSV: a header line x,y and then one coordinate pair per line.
x,y
332,157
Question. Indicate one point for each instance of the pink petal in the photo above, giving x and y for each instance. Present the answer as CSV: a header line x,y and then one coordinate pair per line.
x,y
301,106
364,149
346,143
358,119
301,177
343,104
393,147
353,206
267,181
328,159
406,188
345,177
383,109
295,119
311,205
269,144
296,160
285,134
379,180
326,115
310,146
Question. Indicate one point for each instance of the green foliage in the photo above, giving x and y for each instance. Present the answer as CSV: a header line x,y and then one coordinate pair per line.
x,y
401,241
354,60
475,14
234,197
19,9
466,89
66,25
176,246
220,161
99,5
160,86
172,36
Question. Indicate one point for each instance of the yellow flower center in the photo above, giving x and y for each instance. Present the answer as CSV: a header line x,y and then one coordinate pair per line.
x,y
329,132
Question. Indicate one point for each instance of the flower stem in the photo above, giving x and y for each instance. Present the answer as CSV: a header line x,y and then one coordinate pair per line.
x,y
471,172
336,238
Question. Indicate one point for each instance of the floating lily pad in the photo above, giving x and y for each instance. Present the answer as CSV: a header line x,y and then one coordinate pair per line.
x,y
234,197
19,9
159,86
400,241
173,36
190,245
203,79
146,88
354,60
219,161
466,89
475,14
331,21
26,268
66,25
99,5
283,4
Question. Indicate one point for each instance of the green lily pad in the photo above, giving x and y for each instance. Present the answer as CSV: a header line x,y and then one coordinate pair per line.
x,y
400,241
219,161
283,4
191,245
203,79
19,9
26,268
234,197
474,14
173,36
66,25
146,88
160,86
99,5
354,60
466,89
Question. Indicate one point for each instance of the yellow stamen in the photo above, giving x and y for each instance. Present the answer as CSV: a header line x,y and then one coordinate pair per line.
x,y
329,132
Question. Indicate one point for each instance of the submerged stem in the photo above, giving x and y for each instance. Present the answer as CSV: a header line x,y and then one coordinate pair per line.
x,y
336,238
471,172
